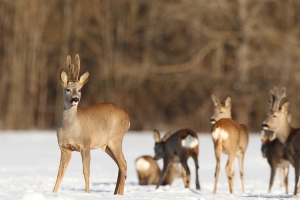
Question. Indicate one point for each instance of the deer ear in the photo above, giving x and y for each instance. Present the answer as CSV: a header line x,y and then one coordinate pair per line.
x,y
215,100
156,135
228,101
63,78
285,107
166,136
83,78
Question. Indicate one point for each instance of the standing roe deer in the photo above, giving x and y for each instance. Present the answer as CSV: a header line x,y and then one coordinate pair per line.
x,y
277,156
177,148
83,129
278,122
149,172
230,138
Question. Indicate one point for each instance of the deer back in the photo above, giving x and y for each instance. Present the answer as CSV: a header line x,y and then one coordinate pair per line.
x,y
231,134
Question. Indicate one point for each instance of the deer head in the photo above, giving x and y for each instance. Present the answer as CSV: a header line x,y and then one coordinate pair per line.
x,y
159,144
277,115
221,110
70,82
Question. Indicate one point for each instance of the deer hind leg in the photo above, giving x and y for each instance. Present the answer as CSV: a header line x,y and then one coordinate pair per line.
x,y
230,171
64,162
183,175
187,172
218,152
163,173
241,166
195,158
86,160
115,152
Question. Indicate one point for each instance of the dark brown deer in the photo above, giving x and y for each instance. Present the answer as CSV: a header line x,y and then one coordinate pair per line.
x,y
277,156
278,122
149,172
230,138
177,148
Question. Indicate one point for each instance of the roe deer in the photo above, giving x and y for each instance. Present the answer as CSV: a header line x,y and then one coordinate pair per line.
x,y
230,138
177,148
149,172
278,122
277,156
83,129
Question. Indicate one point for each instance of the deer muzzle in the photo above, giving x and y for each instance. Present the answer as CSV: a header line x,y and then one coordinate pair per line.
x,y
75,100
265,126
212,121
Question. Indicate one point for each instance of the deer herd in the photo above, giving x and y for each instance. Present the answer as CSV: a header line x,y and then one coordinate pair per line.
x,y
104,126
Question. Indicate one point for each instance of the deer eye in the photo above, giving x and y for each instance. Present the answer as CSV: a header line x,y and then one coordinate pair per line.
x,y
274,116
79,90
68,90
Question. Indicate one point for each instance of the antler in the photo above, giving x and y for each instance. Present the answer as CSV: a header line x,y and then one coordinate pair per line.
x,y
276,98
73,70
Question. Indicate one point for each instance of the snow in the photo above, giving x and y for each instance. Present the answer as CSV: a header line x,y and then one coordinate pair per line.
x,y
30,159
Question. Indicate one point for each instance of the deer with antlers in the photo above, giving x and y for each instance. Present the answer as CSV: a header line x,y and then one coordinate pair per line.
x,y
230,138
83,129
177,148
277,155
149,172
278,122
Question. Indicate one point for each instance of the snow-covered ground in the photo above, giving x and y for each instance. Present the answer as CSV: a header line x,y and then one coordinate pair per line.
x,y
29,162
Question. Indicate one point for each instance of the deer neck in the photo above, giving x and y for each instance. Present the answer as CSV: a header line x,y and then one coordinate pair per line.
x,y
283,132
69,115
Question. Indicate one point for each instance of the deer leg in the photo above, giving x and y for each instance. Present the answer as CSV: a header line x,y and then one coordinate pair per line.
x,y
241,166
286,175
282,171
218,151
188,173
86,160
273,172
195,157
297,170
64,161
115,152
230,171
183,174
163,173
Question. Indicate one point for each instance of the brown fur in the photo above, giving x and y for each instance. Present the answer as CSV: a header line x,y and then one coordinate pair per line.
x,y
278,122
229,137
151,175
170,149
82,129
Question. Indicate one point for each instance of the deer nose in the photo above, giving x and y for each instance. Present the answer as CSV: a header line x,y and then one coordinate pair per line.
x,y
265,126
212,121
75,99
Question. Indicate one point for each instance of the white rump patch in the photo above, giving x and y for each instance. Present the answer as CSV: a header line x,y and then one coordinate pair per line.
x,y
142,164
219,133
189,142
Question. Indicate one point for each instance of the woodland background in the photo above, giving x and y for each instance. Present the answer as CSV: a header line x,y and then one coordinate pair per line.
x,y
158,60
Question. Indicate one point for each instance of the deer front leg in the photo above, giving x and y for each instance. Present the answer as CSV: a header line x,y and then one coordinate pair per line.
x,y
164,171
64,161
297,173
86,160
286,175
273,172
